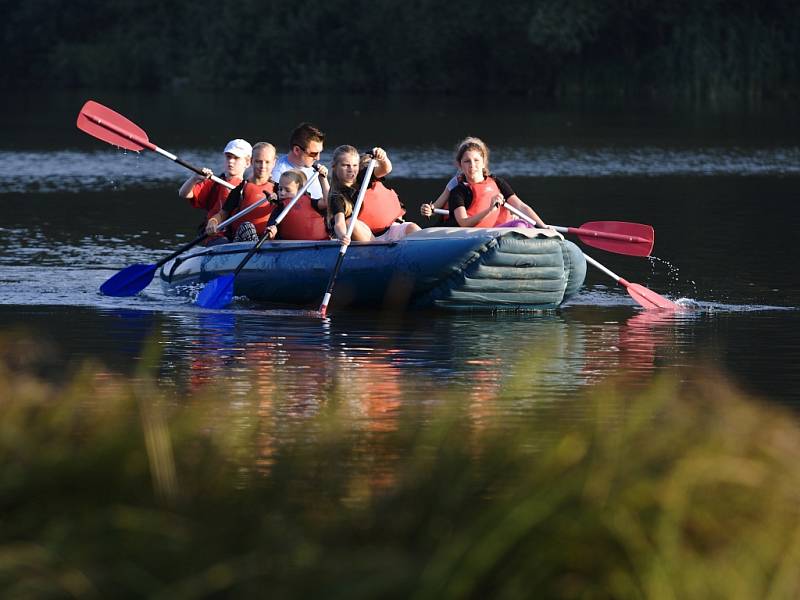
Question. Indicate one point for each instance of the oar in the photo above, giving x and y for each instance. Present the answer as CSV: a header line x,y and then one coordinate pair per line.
x,y
633,239
133,279
323,307
218,292
105,124
642,295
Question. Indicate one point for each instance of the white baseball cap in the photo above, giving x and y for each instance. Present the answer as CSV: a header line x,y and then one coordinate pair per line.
x,y
239,147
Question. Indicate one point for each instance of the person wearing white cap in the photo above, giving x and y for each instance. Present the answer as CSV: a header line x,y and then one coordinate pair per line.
x,y
203,193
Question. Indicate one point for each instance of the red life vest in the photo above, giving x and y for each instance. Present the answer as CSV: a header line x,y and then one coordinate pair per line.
x,y
381,207
210,196
252,193
482,194
302,222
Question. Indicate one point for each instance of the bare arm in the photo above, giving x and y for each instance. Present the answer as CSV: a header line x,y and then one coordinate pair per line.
x,y
427,209
464,220
325,185
384,166
214,221
186,190
524,208
340,228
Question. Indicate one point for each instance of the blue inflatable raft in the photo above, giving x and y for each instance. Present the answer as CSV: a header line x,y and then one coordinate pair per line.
x,y
439,267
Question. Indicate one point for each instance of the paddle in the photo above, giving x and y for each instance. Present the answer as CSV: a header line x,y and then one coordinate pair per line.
x,y
133,279
633,239
218,292
323,307
642,295
105,124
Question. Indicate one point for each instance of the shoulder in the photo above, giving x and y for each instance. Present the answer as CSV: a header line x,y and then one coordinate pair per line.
x,y
336,201
459,194
281,165
503,185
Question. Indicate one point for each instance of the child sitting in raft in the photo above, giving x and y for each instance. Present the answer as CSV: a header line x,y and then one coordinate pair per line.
x,y
206,194
427,210
381,208
248,192
303,221
476,197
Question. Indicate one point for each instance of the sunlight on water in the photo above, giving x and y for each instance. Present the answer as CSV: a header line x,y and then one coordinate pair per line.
x,y
110,169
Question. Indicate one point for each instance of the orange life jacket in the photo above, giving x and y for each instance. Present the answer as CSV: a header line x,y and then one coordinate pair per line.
x,y
381,207
302,222
482,194
251,194
211,196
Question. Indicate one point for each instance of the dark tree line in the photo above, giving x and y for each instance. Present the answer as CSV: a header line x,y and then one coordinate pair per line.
x,y
699,49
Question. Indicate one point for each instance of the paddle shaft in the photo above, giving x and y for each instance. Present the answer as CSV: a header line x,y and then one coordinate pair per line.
x,y
151,146
280,218
323,307
575,230
220,227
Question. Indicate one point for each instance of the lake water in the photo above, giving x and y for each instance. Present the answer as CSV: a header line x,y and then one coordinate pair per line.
x,y
721,190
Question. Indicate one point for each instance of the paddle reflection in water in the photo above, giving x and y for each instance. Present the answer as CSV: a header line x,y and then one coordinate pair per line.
x,y
489,365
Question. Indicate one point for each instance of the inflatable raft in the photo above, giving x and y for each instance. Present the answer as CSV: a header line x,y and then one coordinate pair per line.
x,y
439,267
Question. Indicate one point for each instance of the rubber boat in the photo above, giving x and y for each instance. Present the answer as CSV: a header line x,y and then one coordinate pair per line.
x,y
448,268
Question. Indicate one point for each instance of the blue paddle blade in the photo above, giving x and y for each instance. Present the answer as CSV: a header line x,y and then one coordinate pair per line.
x,y
130,281
217,293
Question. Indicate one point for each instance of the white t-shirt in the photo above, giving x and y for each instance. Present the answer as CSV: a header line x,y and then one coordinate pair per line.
x,y
283,164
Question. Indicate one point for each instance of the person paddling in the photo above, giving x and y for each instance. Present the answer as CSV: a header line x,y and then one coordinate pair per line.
x,y
305,147
203,193
247,193
302,222
477,199
344,191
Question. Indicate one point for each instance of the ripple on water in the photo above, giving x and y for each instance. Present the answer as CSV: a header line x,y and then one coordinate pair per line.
x,y
110,169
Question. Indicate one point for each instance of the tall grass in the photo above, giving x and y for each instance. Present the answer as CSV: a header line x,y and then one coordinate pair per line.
x,y
111,487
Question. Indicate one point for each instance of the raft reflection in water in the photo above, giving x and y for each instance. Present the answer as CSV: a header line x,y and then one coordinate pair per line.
x,y
495,366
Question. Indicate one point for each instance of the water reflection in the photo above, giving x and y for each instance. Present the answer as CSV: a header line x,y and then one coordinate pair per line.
x,y
494,367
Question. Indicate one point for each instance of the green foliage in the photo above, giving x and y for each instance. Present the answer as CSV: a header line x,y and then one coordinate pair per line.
x,y
700,50
112,488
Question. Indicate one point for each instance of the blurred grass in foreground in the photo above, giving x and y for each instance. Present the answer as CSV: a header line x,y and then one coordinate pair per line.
x,y
112,488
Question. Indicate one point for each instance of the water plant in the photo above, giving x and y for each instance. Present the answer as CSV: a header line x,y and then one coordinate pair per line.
x,y
115,487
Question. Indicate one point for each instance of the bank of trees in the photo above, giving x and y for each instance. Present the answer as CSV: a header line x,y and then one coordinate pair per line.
x,y
702,49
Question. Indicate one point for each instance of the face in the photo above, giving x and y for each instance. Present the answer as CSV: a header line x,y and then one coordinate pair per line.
x,y
346,169
263,161
287,188
308,155
471,164
234,165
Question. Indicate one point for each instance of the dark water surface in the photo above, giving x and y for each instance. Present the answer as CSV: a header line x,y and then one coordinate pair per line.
x,y
721,190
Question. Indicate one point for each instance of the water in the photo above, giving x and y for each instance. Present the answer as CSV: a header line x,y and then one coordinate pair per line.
x,y
720,190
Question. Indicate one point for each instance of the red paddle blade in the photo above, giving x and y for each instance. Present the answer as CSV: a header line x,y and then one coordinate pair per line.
x,y
648,298
105,124
633,239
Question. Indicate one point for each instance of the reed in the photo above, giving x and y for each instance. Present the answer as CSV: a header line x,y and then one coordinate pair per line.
x,y
113,487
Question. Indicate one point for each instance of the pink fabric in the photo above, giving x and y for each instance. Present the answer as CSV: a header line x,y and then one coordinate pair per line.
x,y
517,223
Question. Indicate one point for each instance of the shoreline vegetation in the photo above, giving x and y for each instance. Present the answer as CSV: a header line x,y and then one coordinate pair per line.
x,y
116,487
707,52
